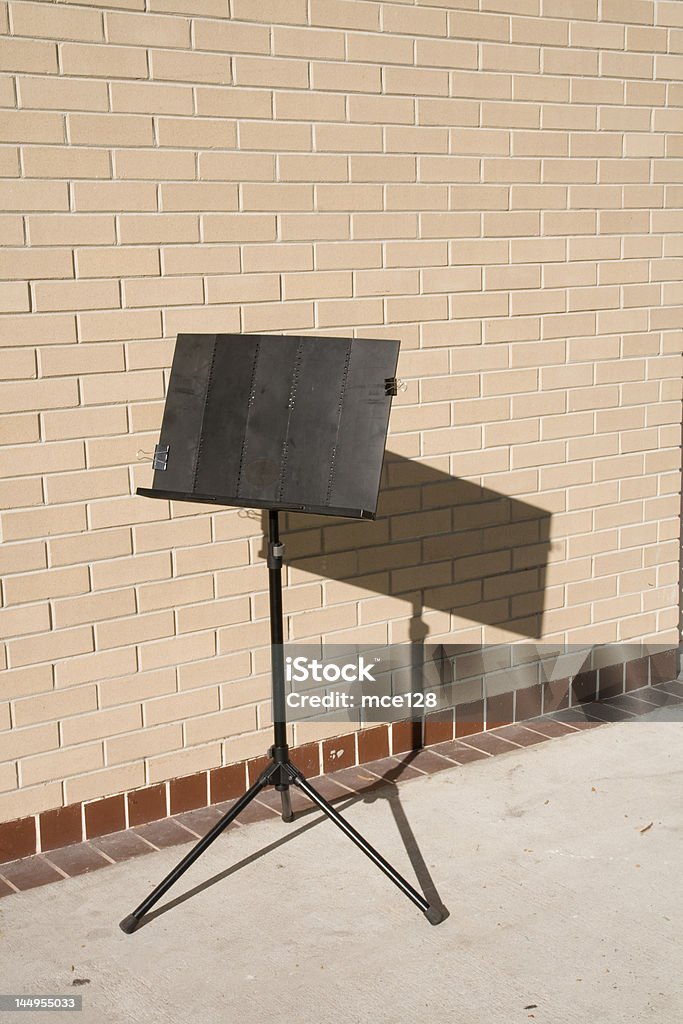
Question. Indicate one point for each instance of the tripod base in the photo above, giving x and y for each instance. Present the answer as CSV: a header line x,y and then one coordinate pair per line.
x,y
281,773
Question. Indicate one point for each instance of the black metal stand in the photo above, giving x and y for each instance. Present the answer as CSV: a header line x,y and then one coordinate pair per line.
x,y
281,772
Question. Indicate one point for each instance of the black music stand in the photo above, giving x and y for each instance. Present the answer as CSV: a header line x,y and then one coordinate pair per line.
x,y
293,423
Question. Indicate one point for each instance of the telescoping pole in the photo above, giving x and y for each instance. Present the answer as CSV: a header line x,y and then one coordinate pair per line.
x,y
275,553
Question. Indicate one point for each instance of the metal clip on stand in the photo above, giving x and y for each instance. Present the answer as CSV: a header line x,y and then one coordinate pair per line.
x,y
281,772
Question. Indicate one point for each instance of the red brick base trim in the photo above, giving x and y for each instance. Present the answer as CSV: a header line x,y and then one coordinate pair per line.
x,y
75,823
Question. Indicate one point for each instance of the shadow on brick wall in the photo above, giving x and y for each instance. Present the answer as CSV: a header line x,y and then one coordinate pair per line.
x,y
438,543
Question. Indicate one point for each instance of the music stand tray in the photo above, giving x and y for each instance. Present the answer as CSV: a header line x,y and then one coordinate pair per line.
x,y
283,423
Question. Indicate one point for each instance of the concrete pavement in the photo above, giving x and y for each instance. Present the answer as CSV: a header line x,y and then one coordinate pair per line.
x,y
564,906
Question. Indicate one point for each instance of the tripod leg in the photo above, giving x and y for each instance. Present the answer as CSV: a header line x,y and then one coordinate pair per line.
x,y
130,923
433,914
287,813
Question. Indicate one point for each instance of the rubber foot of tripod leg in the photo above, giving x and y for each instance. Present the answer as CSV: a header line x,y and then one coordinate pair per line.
x,y
129,924
288,817
434,915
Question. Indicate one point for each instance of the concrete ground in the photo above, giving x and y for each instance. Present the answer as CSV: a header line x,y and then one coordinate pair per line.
x,y
560,865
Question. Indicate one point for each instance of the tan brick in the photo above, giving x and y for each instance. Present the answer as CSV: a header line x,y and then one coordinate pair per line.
x,y
447,112
211,8
20,429
20,621
9,162
101,724
41,394
79,423
292,316
120,572
342,77
174,652
36,330
140,744
228,722
174,67
42,585
117,262
24,742
64,295
449,54
62,94
61,764
93,607
23,682
70,229
163,292
186,762
158,228
214,614
174,165
98,389
271,72
138,686
668,13
88,485
33,195
547,32
154,596
111,129
512,170
13,227
124,632
147,30
299,43
60,162
8,777
119,326
64,643
30,55
318,285
344,14
36,522
346,313
479,304
216,318
21,493
237,166
383,168
347,138
106,781
546,87
114,196
346,255
94,667
34,19
31,800
639,11
379,49
422,308
540,143
14,298
103,61
497,57
275,137
260,258
197,133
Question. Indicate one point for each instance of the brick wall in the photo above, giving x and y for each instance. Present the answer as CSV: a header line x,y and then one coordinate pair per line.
x,y
497,183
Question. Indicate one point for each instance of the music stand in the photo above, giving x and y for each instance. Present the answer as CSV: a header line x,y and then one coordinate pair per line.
x,y
294,423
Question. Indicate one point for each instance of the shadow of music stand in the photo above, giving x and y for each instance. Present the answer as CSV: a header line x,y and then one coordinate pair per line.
x,y
283,423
